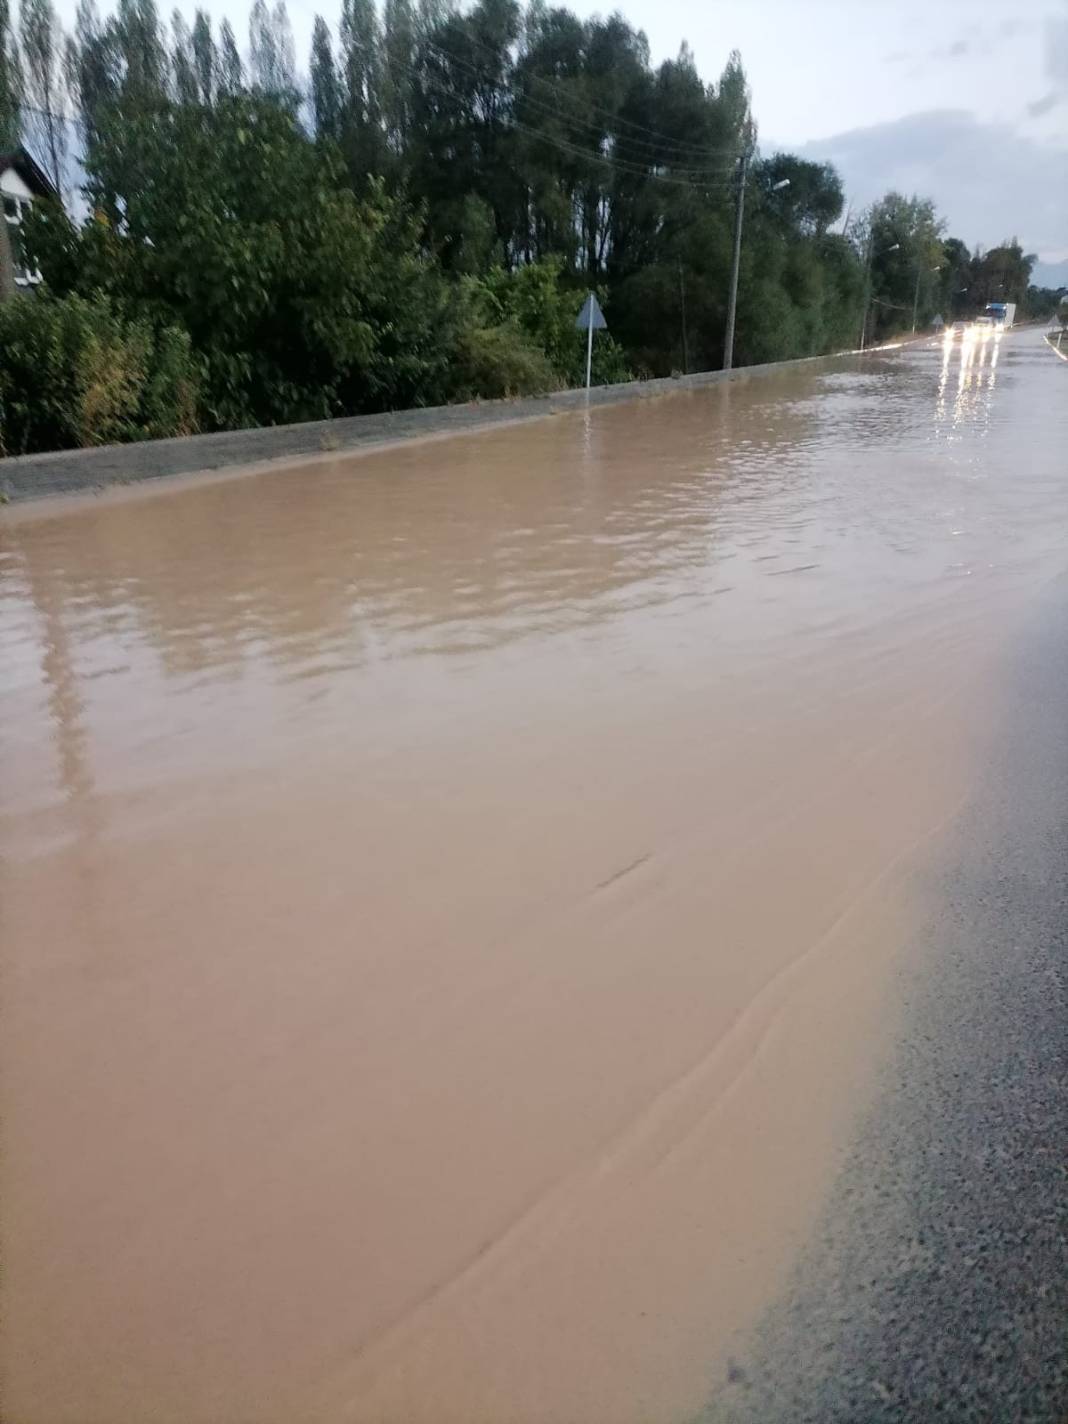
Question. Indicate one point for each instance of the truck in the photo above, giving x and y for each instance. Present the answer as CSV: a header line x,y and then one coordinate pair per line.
x,y
1002,314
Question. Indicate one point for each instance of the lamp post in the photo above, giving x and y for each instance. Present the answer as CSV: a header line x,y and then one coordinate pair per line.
x,y
867,282
732,300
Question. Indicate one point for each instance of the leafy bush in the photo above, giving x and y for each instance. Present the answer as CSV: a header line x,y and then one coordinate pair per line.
x,y
543,307
74,373
303,301
494,361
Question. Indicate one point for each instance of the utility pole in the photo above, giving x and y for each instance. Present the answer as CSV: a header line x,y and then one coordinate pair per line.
x,y
867,291
732,301
682,299
916,295
867,281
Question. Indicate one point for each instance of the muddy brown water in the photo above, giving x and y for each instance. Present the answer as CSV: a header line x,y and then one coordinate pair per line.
x,y
454,900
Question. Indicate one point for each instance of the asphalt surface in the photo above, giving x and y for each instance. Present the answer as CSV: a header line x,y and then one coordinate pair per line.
x,y
937,1285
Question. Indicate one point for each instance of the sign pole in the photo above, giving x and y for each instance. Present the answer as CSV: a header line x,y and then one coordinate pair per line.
x,y
589,320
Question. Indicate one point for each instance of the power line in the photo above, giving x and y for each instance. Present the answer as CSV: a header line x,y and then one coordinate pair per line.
x,y
694,179
659,139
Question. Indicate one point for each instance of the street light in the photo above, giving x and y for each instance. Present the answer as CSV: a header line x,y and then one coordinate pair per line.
x,y
894,246
732,300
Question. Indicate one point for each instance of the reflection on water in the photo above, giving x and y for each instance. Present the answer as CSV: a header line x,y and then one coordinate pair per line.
x,y
975,358
421,872
205,615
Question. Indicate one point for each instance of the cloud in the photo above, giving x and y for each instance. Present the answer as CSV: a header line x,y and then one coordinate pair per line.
x,y
957,50
1044,105
1050,274
989,181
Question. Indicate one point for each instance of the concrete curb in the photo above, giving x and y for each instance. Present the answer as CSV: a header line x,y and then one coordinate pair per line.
x,y
27,477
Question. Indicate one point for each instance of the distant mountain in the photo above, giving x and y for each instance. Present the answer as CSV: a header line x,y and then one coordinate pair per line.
x,y
1050,274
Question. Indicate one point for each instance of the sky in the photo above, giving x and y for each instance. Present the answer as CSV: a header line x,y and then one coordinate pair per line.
x,y
963,101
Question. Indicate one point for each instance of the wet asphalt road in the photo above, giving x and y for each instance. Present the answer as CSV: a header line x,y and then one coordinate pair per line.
x,y
937,1285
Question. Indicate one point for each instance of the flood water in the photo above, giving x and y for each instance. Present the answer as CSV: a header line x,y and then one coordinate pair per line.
x,y
454,900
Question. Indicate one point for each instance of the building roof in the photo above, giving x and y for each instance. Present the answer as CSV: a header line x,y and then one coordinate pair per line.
x,y
30,171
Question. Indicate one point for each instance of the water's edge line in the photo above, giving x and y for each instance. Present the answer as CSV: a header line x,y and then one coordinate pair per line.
x,y
72,472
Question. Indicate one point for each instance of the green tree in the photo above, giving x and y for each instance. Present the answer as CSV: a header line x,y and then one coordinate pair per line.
x,y
1001,275
231,72
398,54
272,62
141,51
205,59
301,300
186,86
43,57
10,82
362,139
905,236
92,65
954,279
325,89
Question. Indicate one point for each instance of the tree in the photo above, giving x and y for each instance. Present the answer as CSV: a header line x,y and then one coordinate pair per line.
x,y
231,73
42,52
812,199
1001,275
954,279
301,300
10,82
325,89
205,59
736,105
360,84
457,179
905,236
272,61
398,53
92,65
186,86
463,139
141,53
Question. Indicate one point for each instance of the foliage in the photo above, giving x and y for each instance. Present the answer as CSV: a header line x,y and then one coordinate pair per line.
x,y
1044,302
537,303
494,361
73,372
42,57
302,300
10,82
423,220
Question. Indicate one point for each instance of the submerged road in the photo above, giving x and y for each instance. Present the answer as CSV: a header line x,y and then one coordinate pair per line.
x,y
561,925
